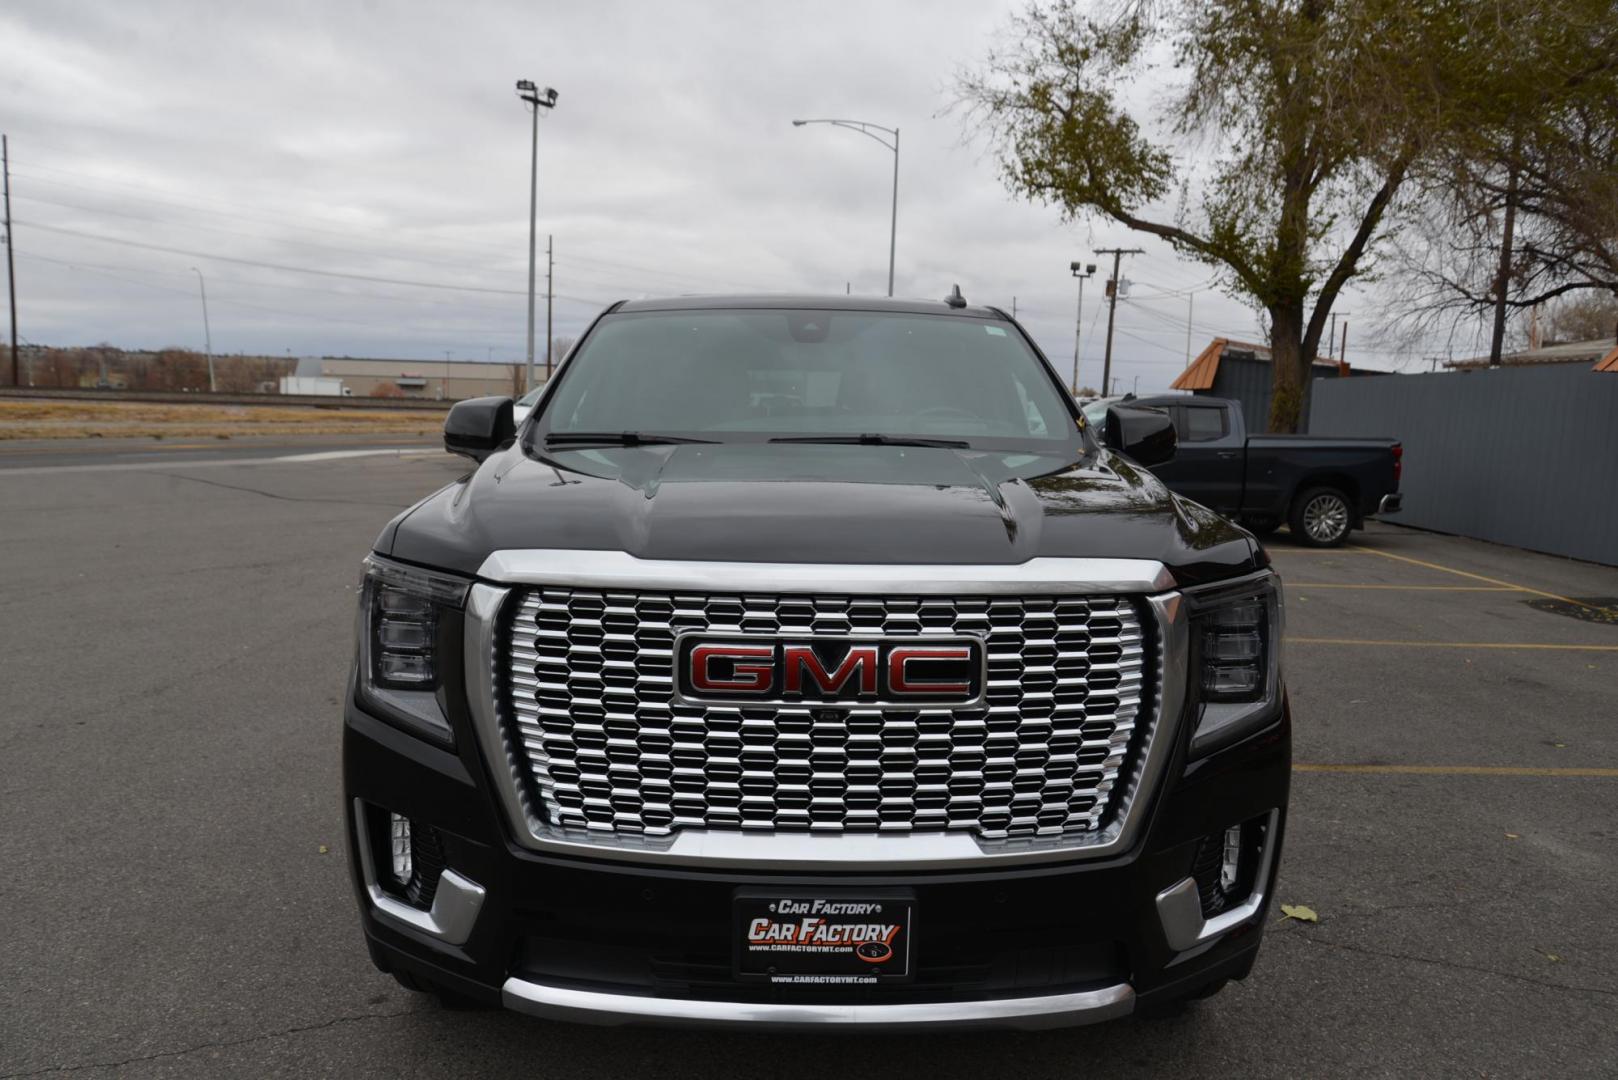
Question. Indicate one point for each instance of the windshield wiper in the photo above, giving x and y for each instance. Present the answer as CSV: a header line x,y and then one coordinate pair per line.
x,y
871,439
616,438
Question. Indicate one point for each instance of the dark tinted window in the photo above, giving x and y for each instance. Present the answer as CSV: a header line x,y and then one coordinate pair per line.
x,y
1200,423
765,373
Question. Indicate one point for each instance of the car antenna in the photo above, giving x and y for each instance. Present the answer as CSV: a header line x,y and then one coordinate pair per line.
x,y
955,299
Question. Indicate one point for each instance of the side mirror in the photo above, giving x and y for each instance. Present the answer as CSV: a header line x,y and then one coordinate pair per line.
x,y
1144,435
477,427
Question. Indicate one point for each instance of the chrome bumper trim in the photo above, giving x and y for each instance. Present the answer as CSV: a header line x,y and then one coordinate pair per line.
x,y
621,570
808,851
1390,504
1028,1013
1180,910
455,905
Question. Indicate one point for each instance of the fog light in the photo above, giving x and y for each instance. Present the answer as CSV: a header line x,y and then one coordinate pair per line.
x,y
403,867
1231,864
1225,864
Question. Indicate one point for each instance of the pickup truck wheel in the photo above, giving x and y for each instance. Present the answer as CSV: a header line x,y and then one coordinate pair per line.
x,y
1321,517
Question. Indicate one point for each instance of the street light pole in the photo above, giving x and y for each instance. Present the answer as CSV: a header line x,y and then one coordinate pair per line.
x,y
535,99
1089,270
207,334
869,130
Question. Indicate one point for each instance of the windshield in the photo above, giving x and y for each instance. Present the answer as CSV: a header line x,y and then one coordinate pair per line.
x,y
760,374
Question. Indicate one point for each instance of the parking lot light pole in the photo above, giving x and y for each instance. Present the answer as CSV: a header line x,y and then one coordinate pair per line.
x,y
207,334
535,99
870,130
1088,271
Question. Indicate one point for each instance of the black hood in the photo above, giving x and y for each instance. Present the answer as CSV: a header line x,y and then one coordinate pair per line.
x,y
751,502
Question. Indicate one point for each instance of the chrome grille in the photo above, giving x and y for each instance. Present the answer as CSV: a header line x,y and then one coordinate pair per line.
x,y
590,704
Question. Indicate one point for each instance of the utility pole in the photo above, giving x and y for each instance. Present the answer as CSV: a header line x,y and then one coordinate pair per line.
x,y
11,266
1502,279
1013,307
536,99
1342,351
1331,338
550,294
1190,302
1088,271
443,387
207,334
1112,307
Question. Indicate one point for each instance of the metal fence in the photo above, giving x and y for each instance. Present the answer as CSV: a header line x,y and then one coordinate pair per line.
x,y
1520,456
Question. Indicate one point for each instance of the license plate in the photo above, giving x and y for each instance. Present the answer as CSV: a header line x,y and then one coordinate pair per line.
x,y
823,939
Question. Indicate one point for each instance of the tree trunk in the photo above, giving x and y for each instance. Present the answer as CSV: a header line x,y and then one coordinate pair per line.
x,y
1290,376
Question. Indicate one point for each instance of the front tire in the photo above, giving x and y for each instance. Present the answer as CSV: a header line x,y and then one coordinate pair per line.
x,y
1321,517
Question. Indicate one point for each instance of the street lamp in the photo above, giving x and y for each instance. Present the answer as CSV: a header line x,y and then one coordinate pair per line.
x,y
535,99
870,130
1080,271
207,334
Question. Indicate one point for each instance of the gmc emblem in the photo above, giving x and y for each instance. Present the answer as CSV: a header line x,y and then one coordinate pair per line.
x,y
824,670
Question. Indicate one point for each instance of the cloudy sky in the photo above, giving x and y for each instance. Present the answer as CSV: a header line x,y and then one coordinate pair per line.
x,y
296,152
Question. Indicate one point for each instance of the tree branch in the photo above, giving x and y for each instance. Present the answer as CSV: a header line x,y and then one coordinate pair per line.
x,y
1348,263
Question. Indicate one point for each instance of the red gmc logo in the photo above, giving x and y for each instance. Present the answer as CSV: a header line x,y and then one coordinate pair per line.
x,y
846,670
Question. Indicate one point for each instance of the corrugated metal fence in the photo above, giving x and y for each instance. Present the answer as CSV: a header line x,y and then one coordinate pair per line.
x,y
1520,456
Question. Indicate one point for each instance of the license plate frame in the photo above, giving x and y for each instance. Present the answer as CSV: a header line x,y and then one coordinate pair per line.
x,y
783,952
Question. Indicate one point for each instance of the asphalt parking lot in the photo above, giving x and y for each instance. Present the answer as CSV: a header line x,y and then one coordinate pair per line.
x,y
175,638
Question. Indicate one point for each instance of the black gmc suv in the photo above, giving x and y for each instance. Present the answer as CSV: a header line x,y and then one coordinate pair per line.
x,y
812,661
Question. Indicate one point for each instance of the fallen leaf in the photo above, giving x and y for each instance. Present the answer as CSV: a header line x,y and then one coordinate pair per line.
x,y
1512,836
324,849
1299,912
1553,958
1560,745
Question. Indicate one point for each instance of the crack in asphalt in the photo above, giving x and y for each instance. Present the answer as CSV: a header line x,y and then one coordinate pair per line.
x,y
274,495
1412,958
215,1045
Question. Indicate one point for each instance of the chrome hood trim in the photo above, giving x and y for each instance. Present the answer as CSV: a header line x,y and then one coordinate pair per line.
x,y
621,570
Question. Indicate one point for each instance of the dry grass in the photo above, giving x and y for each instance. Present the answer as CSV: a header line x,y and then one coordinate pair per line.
x,y
54,419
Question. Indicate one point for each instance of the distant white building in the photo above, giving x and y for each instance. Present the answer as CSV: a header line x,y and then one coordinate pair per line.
x,y
432,380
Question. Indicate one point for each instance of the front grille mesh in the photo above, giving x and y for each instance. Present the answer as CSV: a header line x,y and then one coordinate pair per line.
x,y
589,697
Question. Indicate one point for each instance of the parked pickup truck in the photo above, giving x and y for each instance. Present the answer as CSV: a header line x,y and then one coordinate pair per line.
x,y
1320,486
812,662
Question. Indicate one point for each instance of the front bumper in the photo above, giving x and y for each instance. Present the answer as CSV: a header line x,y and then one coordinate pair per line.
x,y
613,942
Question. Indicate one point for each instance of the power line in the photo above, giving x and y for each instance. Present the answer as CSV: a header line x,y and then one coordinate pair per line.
x,y
285,222
274,266
170,223
303,315
329,292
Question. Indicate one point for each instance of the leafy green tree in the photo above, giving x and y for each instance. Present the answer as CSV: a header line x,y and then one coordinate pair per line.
x,y
1280,134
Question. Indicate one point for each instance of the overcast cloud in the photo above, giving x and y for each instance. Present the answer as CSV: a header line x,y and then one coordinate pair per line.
x,y
383,139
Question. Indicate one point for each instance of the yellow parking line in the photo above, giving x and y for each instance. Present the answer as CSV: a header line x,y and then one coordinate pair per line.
x,y
1481,577
1450,644
1452,770
1417,588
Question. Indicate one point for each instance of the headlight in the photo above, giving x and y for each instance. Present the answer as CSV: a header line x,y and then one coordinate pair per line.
x,y
409,626
1236,653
